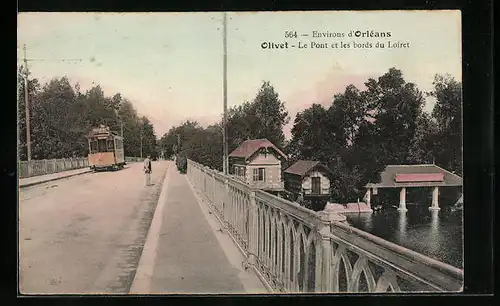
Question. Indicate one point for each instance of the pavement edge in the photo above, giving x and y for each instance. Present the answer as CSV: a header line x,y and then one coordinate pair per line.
x,y
52,179
144,273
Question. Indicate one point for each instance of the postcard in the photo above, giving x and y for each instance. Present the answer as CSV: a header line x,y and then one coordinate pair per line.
x,y
240,152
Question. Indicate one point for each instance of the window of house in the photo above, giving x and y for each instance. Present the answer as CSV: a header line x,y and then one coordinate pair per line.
x,y
262,174
255,174
259,174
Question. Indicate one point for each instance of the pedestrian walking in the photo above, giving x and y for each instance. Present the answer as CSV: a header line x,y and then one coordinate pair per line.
x,y
147,170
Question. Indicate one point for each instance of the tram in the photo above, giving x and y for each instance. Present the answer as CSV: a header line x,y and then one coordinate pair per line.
x,y
105,149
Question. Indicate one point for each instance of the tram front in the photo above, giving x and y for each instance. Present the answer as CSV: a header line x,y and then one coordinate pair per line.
x,y
101,149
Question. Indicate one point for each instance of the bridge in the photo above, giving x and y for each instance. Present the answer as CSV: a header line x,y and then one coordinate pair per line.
x,y
203,232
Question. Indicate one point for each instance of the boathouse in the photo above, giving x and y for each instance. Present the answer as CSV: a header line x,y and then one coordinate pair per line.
x,y
412,176
310,180
258,163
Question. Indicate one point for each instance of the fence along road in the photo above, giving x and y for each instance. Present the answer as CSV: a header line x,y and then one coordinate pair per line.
x,y
294,249
48,166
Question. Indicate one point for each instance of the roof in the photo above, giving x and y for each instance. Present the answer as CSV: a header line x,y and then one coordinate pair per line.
x,y
249,147
416,176
302,167
101,131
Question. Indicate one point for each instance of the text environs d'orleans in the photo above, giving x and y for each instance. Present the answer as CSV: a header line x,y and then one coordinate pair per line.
x,y
353,33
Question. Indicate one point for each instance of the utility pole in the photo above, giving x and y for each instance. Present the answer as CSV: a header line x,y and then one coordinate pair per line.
x,y
26,103
26,95
225,164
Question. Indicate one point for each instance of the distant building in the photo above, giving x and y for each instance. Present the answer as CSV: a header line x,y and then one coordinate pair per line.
x,y
414,176
258,163
309,180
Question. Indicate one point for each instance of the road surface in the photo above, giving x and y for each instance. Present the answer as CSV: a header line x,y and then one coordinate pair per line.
x,y
85,234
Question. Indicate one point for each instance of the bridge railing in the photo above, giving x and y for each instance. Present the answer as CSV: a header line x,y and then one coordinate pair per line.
x,y
48,166
294,249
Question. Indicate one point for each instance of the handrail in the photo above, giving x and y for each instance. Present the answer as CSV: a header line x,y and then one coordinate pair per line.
x,y
435,273
292,208
402,251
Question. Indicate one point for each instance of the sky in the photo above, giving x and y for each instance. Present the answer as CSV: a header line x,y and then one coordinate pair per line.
x,y
170,65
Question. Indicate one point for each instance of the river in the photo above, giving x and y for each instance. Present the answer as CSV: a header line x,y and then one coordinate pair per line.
x,y
437,234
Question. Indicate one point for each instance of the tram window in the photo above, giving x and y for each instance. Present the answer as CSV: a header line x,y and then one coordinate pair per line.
x,y
110,145
93,146
102,145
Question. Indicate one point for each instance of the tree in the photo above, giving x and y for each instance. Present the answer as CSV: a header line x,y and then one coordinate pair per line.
x,y
396,105
347,113
148,138
363,131
264,117
448,115
201,145
270,114
311,135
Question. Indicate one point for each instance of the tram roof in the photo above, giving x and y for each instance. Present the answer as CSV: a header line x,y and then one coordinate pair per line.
x,y
427,175
102,131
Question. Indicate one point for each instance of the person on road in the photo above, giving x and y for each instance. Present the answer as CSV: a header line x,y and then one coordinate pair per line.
x,y
147,170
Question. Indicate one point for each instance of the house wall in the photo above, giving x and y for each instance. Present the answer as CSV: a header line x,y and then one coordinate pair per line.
x,y
307,182
272,164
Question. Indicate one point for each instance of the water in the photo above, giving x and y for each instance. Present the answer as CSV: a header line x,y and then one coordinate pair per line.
x,y
437,234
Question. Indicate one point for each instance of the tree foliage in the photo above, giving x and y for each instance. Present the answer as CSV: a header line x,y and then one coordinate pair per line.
x,y
356,136
203,145
363,131
61,116
264,117
447,113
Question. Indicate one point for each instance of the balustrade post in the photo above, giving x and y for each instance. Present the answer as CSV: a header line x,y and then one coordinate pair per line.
x,y
324,252
253,231
206,171
214,186
45,168
225,203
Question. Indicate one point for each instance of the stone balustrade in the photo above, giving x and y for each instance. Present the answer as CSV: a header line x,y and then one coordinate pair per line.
x,y
294,249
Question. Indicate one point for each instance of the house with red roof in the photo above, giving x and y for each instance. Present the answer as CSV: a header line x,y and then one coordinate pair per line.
x,y
258,163
310,181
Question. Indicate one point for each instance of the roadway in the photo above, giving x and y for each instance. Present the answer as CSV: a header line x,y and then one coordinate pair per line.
x,y
85,234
